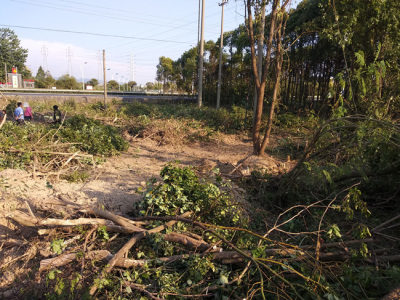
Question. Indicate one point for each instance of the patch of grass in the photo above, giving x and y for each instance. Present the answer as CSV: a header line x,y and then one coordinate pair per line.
x,y
223,120
77,176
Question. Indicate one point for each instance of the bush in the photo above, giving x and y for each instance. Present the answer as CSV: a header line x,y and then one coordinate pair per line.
x,y
94,137
182,191
222,120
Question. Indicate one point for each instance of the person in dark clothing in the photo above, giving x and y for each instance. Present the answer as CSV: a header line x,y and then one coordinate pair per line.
x,y
56,115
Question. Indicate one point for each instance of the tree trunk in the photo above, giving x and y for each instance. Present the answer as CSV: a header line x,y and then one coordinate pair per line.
x,y
279,61
260,82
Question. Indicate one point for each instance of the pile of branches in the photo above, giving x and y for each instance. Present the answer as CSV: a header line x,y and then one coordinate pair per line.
x,y
83,250
190,241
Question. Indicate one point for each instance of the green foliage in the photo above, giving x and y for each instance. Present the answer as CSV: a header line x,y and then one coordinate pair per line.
x,y
219,120
11,106
57,246
67,82
12,54
77,176
358,281
182,191
95,138
102,233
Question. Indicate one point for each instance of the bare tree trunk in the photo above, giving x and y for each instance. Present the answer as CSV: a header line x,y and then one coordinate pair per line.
x,y
279,61
260,82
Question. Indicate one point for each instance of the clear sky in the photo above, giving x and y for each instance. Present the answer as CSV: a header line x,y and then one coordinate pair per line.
x,y
146,29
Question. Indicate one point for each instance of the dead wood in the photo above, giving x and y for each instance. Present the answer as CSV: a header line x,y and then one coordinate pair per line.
x,y
381,226
113,217
75,222
23,219
130,244
142,290
64,259
339,244
187,241
33,222
393,295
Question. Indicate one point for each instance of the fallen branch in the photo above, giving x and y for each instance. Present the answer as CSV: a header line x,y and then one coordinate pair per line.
x,y
380,227
65,259
33,222
130,244
113,217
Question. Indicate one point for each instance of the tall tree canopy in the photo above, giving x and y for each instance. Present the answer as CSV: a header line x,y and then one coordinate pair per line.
x,y
12,54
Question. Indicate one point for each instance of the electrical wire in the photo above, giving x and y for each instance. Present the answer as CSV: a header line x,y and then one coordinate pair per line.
x,y
96,34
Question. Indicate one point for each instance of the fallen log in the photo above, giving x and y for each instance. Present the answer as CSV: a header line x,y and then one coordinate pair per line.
x,y
113,217
227,257
30,221
187,241
64,259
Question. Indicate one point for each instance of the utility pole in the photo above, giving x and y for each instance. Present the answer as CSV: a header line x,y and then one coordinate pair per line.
x,y
83,76
5,74
220,54
201,59
105,81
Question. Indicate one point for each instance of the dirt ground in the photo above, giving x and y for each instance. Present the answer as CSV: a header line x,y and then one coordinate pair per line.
x,y
114,183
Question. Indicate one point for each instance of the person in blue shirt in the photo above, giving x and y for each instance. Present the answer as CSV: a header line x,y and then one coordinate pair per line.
x,y
19,114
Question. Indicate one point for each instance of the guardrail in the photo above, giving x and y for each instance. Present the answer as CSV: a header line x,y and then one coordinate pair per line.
x,y
92,92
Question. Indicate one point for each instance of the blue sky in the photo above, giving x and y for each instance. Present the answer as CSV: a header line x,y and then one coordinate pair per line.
x,y
146,29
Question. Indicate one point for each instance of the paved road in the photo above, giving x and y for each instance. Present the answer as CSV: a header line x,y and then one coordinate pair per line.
x,y
109,95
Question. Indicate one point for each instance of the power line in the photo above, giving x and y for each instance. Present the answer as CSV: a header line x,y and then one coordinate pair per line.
x,y
73,9
96,34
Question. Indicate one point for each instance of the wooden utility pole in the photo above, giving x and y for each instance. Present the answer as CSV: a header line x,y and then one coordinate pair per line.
x,y
105,80
221,46
201,59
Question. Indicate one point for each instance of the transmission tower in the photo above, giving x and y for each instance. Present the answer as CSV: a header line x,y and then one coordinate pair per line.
x,y
69,58
45,53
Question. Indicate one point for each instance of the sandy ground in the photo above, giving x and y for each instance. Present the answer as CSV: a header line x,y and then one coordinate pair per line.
x,y
114,185
115,182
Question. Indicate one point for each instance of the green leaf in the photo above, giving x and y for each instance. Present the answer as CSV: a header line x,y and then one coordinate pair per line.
x,y
223,279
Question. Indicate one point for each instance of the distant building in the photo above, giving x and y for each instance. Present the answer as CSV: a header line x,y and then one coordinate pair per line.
x,y
15,81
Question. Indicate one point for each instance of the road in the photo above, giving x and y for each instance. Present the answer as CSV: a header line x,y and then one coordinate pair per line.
x,y
85,97
99,95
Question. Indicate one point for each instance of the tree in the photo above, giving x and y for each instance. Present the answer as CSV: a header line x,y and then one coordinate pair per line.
x,y
12,54
277,22
149,85
68,82
44,79
165,70
132,84
93,82
112,85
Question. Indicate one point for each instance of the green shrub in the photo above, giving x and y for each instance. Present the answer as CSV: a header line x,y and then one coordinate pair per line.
x,y
182,191
94,137
77,176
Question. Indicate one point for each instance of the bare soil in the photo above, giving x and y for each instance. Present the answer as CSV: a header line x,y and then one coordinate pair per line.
x,y
114,185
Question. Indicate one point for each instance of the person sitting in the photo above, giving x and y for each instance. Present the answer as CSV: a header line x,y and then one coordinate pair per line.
x,y
56,115
19,114
28,112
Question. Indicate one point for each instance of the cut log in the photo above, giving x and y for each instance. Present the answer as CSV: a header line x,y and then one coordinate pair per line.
x,y
113,217
187,242
62,260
